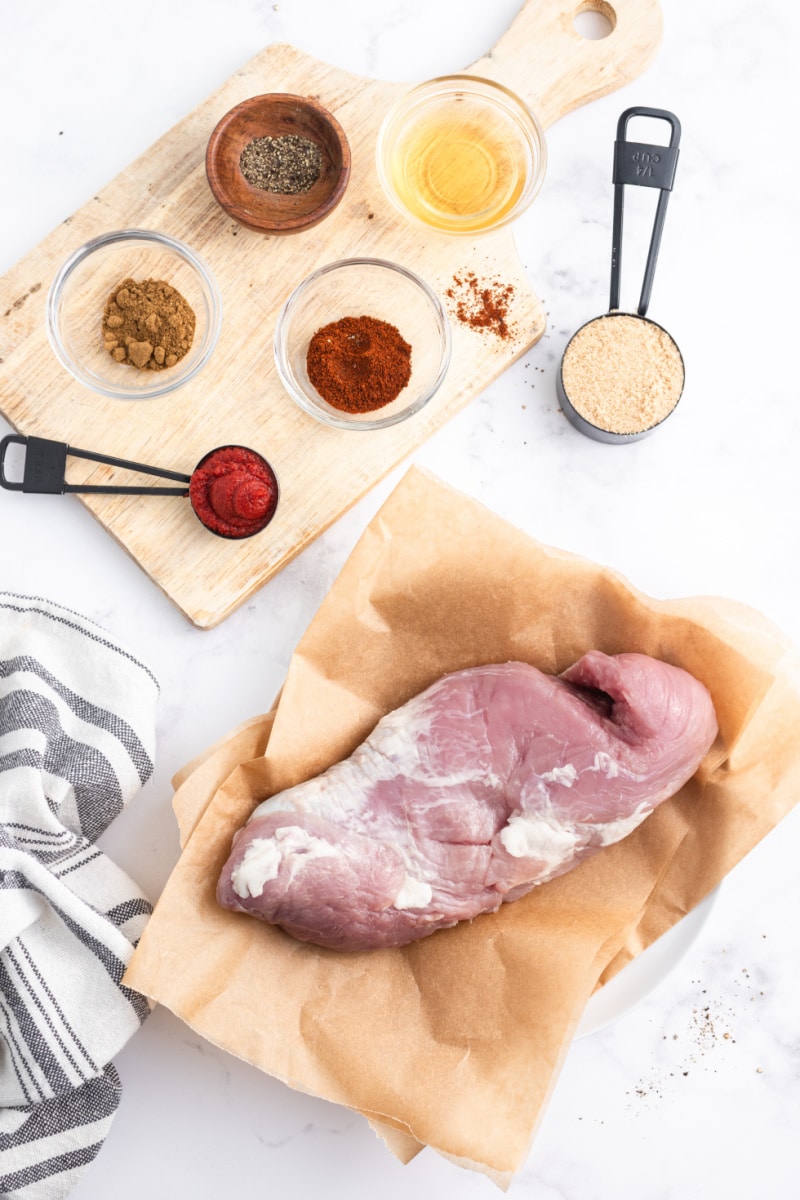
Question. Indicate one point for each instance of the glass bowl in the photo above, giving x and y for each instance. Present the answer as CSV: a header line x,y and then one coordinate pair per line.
x,y
357,287
82,288
461,154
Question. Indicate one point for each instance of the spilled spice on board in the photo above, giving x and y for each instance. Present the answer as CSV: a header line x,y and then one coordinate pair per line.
x,y
482,305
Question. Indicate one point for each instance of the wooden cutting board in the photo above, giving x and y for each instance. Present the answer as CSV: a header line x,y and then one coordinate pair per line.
x,y
237,397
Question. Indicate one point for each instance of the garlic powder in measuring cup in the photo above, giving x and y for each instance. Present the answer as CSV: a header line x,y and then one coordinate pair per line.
x,y
622,373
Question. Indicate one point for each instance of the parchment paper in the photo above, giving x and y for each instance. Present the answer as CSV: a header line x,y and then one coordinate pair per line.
x,y
455,1042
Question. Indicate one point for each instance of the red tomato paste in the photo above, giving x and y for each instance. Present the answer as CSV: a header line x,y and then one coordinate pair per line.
x,y
234,491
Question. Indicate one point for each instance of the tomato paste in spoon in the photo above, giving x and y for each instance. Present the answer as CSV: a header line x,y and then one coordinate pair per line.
x,y
234,491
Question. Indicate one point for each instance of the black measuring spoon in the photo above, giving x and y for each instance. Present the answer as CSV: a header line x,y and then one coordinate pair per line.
x,y
622,374
215,492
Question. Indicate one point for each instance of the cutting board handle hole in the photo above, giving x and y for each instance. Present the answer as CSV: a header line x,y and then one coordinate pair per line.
x,y
594,20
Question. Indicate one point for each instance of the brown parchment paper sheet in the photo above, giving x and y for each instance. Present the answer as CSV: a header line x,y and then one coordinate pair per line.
x,y
455,1042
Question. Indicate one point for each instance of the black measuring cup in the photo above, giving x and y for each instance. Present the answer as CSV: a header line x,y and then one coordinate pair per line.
x,y
616,335
44,472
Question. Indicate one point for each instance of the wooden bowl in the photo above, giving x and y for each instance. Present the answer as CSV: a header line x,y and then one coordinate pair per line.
x,y
275,115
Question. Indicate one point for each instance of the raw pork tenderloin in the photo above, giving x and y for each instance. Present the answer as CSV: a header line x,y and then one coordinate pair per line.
x,y
494,779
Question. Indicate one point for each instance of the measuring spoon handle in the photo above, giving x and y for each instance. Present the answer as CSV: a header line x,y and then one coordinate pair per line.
x,y
46,463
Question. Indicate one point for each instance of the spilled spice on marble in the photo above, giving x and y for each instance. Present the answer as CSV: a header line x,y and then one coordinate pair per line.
x,y
710,1031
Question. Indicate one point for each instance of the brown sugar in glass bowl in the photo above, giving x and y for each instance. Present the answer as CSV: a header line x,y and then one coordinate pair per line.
x,y
277,115
81,289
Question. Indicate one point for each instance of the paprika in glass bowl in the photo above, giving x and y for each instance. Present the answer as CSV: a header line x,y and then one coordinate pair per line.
x,y
362,344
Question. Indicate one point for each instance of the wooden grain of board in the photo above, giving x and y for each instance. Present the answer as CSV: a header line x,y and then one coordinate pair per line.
x,y
237,397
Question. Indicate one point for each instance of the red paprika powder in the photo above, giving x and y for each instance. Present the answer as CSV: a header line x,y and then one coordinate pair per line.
x,y
358,364
482,305
234,491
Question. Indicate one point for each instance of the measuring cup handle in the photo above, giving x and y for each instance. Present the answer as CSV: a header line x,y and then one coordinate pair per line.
x,y
45,461
659,113
642,164
12,439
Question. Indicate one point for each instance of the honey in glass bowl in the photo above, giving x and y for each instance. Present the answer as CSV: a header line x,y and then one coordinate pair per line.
x,y
461,155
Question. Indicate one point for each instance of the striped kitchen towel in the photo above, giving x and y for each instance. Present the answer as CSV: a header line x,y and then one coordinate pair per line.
x,y
77,737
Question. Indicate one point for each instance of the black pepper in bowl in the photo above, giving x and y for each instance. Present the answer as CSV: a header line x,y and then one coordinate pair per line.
x,y
288,165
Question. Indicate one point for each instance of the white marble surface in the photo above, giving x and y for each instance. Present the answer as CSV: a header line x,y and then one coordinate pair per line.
x,y
695,1093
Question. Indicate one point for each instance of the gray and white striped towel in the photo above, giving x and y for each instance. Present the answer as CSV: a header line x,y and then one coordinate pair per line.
x,y
77,738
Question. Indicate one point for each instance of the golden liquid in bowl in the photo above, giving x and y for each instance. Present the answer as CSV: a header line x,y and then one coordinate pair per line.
x,y
462,170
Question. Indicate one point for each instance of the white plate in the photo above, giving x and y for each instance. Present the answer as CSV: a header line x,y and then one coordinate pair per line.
x,y
645,971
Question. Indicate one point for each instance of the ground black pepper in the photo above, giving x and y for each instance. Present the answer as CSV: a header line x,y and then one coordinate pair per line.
x,y
708,1032
288,164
